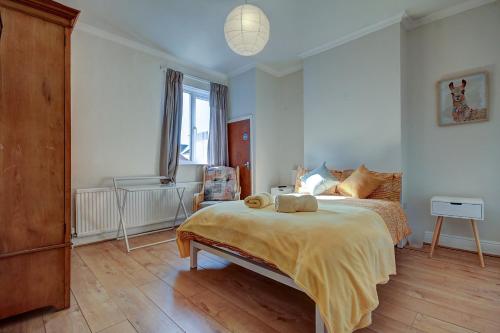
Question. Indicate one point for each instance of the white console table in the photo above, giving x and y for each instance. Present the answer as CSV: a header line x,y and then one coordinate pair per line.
x,y
471,209
121,203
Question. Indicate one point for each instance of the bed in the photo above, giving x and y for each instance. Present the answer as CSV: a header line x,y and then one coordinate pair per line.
x,y
336,255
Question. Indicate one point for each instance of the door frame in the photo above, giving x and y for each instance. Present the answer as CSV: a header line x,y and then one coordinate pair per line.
x,y
252,144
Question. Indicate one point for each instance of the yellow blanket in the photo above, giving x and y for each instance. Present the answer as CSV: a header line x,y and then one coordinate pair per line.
x,y
337,255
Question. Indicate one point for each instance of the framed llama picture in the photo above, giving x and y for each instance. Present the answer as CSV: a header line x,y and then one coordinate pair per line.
x,y
463,99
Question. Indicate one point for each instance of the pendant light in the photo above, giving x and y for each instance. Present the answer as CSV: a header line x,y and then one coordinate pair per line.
x,y
247,30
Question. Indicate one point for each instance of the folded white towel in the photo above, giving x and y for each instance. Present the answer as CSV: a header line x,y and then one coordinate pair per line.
x,y
291,203
259,200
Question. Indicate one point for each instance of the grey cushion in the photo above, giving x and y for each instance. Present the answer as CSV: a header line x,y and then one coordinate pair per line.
x,y
318,180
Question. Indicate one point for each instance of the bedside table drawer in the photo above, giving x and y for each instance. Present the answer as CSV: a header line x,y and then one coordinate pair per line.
x,y
462,210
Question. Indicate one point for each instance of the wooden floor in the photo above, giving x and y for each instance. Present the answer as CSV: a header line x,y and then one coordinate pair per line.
x,y
152,290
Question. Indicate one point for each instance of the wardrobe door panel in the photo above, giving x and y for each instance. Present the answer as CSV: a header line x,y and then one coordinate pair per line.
x,y
33,280
31,132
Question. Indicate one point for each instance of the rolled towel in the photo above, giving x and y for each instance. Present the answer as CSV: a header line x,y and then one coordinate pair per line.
x,y
295,203
259,200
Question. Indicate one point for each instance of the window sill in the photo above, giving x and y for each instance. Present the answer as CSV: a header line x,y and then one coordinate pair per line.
x,y
184,162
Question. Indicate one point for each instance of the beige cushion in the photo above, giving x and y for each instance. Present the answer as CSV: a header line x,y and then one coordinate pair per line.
x,y
360,184
390,189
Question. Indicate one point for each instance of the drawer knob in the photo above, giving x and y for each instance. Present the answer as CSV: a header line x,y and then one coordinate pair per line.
x,y
456,203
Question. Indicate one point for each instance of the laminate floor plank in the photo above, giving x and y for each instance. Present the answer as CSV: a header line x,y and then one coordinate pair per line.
x,y
460,257
153,290
181,279
482,291
123,327
96,305
422,262
233,317
25,323
142,313
383,324
134,271
396,312
177,274
70,320
446,311
441,296
187,315
252,292
277,311
432,325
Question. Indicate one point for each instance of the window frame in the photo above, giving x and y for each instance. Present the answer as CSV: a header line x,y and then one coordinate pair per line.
x,y
194,93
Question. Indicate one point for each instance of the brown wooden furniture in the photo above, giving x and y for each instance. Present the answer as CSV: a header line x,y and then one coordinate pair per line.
x,y
199,198
239,148
35,156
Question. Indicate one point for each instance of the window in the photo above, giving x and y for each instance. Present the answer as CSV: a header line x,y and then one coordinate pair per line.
x,y
195,125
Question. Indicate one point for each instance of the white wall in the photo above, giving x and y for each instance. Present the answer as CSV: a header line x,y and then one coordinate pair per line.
x,y
242,91
372,101
457,160
276,106
116,112
267,127
117,96
291,119
352,104
242,103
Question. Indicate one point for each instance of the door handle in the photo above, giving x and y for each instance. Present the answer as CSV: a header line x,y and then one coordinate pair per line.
x,y
247,165
1,25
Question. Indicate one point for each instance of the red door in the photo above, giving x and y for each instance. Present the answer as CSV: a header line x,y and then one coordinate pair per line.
x,y
239,153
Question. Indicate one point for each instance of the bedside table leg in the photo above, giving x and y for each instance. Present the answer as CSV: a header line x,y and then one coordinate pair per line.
x,y
435,236
478,242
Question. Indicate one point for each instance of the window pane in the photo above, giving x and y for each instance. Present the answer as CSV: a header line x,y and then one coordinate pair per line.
x,y
202,123
185,153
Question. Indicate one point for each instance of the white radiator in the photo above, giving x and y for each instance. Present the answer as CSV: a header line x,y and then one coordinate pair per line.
x,y
96,211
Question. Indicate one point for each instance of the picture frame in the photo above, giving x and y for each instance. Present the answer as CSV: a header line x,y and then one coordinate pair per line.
x,y
463,98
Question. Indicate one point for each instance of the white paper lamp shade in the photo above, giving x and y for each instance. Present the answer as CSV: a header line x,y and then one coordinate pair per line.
x,y
247,30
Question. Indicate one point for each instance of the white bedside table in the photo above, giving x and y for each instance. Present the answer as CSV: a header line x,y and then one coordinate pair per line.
x,y
282,189
463,208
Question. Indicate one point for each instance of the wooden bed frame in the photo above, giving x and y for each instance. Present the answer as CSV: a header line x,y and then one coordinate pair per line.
x,y
253,266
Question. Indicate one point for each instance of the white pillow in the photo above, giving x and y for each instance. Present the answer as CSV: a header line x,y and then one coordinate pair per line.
x,y
318,180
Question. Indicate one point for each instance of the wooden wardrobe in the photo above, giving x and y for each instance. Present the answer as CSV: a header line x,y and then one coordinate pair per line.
x,y
35,155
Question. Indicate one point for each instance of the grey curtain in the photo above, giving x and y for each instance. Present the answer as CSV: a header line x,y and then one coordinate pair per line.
x,y
217,137
172,122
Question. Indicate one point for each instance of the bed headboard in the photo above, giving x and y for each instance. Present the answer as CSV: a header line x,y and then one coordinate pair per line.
x,y
390,189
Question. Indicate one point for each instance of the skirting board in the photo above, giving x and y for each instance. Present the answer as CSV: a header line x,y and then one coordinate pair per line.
x,y
464,243
77,241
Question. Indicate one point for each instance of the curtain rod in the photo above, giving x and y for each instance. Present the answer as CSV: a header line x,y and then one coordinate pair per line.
x,y
192,77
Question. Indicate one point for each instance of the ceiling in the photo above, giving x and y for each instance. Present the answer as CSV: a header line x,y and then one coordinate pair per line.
x,y
193,30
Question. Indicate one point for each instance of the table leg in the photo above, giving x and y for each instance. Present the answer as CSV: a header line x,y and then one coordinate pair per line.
x,y
193,256
119,207
182,204
435,236
121,225
178,206
180,195
319,324
478,242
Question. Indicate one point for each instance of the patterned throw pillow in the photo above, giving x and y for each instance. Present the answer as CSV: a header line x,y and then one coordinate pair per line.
x,y
220,183
318,180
